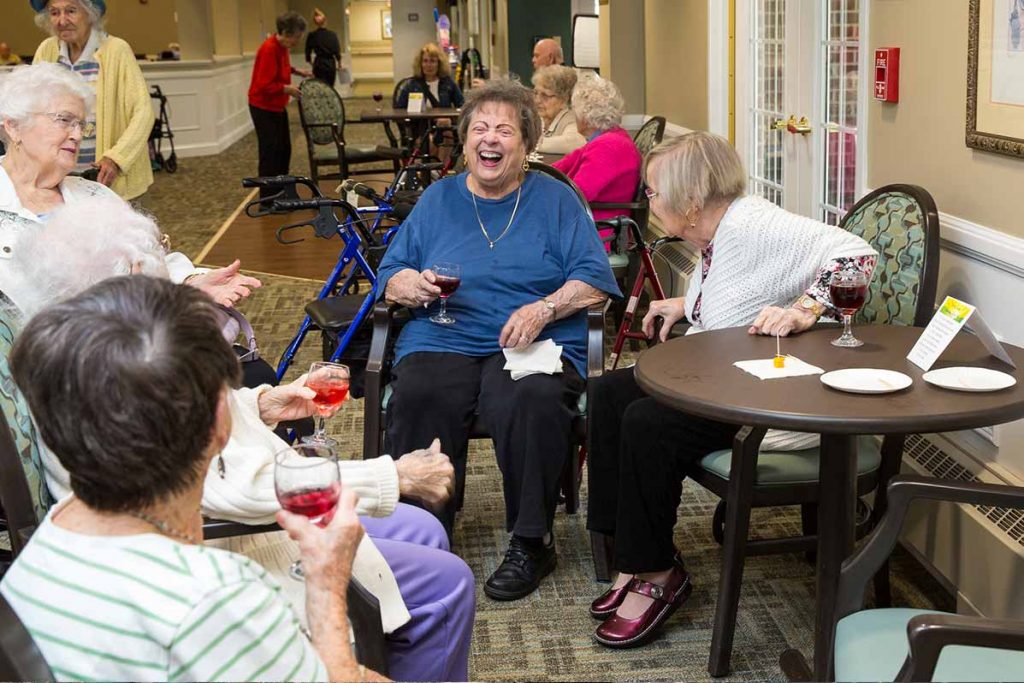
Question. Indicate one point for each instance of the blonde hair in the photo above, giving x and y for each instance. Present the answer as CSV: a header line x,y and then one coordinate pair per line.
x,y
597,102
443,68
560,80
697,169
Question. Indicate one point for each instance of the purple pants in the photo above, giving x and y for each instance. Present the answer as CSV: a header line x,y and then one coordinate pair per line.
x,y
438,590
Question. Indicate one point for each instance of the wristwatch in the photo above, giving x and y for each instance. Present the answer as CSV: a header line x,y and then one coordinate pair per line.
x,y
550,305
810,304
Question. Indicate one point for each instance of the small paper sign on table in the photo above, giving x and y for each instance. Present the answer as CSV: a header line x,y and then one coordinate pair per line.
x,y
415,105
947,322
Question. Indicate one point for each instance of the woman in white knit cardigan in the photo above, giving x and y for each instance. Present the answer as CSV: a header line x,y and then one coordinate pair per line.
x,y
762,268
552,91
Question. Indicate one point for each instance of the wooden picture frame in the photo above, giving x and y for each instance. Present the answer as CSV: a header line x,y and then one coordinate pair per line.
x,y
385,24
995,76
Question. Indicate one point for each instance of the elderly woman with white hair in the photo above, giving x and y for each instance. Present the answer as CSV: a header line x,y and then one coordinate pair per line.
x,y
552,91
116,142
764,269
607,168
426,598
43,120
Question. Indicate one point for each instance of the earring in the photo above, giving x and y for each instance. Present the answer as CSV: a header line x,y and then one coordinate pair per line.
x,y
221,467
526,165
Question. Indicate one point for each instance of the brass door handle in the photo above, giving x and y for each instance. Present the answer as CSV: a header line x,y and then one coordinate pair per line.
x,y
780,124
803,126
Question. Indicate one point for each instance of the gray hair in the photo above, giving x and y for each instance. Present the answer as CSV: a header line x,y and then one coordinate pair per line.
x,y
515,95
81,244
125,380
696,170
560,80
96,18
597,102
290,24
29,89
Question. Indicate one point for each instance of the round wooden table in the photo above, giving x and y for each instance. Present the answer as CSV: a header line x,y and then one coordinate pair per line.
x,y
696,375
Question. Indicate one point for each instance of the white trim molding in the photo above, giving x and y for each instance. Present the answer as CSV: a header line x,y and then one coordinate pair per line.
x,y
718,67
989,246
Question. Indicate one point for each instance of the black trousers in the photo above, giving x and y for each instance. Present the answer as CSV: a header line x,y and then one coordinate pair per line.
x,y
325,71
640,451
274,140
530,421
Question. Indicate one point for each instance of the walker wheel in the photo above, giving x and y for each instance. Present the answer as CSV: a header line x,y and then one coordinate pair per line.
x,y
171,163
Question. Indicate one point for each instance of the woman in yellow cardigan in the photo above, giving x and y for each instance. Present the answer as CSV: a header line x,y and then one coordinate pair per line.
x,y
124,115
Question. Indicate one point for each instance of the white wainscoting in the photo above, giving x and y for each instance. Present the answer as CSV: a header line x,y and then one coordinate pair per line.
x,y
207,101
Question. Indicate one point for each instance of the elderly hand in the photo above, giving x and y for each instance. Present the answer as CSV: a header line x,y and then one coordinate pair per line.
x,y
524,325
670,311
108,171
426,475
225,285
326,552
305,73
782,321
288,402
293,91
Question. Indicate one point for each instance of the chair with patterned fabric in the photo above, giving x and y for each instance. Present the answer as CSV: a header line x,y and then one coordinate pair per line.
x,y
902,224
322,113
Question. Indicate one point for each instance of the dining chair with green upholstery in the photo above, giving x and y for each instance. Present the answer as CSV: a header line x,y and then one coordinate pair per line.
x,y
902,224
322,114
902,644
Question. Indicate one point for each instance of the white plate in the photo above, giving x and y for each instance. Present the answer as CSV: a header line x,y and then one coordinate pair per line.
x,y
969,379
866,380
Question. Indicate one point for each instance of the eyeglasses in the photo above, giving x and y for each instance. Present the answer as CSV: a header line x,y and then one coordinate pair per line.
x,y
69,122
540,94
650,193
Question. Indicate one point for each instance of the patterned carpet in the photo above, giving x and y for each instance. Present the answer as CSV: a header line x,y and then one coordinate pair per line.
x,y
547,635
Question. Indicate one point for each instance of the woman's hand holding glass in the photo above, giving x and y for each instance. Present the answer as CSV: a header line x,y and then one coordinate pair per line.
x,y
292,401
326,551
670,311
329,383
307,482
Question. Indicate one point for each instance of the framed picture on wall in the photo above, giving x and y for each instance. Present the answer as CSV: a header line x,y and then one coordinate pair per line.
x,y
995,76
385,24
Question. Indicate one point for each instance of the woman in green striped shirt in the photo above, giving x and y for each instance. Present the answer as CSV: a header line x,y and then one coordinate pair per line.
x,y
128,382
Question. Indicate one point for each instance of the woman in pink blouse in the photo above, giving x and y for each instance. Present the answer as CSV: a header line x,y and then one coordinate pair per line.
x,y
607,168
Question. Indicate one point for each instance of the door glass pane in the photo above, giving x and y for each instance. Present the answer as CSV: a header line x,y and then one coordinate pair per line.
x,y
840,57
767,49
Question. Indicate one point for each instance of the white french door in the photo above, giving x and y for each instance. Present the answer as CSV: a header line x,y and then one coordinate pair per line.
x,y
799,102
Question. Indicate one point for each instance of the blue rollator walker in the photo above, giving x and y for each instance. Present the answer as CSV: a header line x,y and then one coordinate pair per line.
x,y
337,310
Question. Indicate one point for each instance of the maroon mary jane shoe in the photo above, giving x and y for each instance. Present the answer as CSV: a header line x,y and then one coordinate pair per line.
x,y
609,601
618,632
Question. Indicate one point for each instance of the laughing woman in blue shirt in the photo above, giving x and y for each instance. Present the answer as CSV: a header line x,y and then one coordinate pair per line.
x,y
531,264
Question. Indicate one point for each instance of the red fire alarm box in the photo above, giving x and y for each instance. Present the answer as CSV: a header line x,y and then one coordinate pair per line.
x,y
887,74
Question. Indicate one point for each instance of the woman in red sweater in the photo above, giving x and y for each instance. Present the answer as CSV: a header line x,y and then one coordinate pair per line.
x,y
269,91
607,168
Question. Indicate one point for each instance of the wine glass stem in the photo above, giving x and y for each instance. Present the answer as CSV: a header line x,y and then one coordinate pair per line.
x,y
321,430
444,307
847,319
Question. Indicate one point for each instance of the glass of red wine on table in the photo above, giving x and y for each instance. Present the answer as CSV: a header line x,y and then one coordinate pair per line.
x,y
447,276
378,97
848,290
330,382
307,482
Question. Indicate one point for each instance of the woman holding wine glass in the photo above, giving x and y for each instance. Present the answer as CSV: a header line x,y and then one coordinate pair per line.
x,y
762,268
530,265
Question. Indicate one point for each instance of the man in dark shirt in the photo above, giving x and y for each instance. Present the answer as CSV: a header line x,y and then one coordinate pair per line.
x,y
324,43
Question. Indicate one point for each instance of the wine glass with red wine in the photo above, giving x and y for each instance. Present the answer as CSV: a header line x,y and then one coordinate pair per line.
x,y
848,289
447,276
378,97
307,482
330,382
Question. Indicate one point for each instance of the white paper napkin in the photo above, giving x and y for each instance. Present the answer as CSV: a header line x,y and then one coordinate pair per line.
x,y
765,369
544,356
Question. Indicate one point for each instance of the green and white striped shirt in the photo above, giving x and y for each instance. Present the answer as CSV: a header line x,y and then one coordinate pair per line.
x,y
145,608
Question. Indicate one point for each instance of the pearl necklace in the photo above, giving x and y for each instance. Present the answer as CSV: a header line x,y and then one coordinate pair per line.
x,y
164,528
490,242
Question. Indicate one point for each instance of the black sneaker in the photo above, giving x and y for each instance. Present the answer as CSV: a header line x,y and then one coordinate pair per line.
x,y
526,562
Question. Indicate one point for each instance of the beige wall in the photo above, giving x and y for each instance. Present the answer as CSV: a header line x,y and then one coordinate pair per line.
x,y
371,54
147,28
621,33
676,59
194,33
920,140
